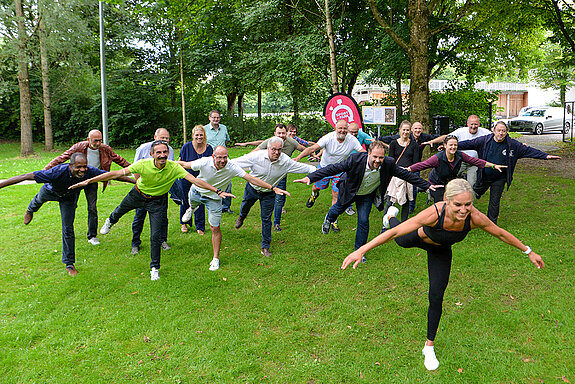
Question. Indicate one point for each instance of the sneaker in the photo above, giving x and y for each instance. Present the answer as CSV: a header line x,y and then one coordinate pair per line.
x,y
154,274
239,222
28,216
266,252
363,259
228,210
106,227
72,271
188,215
335,227
325,226
391,212
135,250
350,211
311,201
215,264
165,246
94,241
277,228
430,362
283,211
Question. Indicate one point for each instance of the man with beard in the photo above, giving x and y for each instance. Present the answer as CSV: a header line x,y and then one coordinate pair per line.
x,y
337,146
364,176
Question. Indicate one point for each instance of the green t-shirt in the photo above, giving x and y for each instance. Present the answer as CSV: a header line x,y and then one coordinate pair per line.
x,y
154,181
290,145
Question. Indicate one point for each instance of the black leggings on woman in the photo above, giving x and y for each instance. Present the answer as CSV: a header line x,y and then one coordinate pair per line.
x,y
438,268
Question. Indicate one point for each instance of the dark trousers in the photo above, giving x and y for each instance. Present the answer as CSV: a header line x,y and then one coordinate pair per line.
x,y
68,204
138,226
280,202
157,208
227,201
199,214
412,203
363,205
438,269
91,192
496,191
267,202
437,195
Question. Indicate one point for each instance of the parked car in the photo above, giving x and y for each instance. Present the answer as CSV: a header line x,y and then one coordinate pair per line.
x,y
541,119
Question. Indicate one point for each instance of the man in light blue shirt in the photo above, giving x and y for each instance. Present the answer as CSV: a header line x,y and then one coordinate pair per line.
x,y
216,135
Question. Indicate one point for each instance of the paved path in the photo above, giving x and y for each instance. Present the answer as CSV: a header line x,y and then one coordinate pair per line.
x,y
547,142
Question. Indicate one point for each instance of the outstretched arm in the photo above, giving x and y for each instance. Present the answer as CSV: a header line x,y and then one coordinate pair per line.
x,y
202,184
260,183
16,179
256,142
481,221
307,151
103,177
425,217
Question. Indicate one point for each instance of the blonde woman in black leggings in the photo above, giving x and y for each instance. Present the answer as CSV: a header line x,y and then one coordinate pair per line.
x,y
435,230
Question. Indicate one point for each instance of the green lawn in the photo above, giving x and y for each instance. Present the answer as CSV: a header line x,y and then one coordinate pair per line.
x,y
292,318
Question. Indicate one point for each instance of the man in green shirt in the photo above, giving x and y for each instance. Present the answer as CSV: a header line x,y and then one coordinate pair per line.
x,y
157,175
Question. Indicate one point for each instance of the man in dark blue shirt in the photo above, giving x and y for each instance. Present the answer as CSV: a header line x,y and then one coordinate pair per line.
x,y
56,182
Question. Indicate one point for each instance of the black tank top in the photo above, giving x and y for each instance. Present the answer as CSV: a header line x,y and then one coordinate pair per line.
x,y
442,236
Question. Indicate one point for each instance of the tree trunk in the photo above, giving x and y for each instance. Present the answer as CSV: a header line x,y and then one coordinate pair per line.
x,y
419,62
184,125
562,92
352,81
241,110
26,143
331,41
260,107
49,138
398,95
231,98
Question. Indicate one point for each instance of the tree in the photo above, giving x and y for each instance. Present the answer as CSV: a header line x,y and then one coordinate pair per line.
x,y
26,142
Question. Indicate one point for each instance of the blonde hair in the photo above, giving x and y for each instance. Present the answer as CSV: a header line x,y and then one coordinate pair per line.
x,y
455,187
198,127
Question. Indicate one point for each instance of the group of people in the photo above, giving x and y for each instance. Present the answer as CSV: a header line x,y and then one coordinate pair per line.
x,y
356,165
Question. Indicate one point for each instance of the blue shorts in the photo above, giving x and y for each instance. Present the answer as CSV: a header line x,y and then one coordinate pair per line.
x,y
323,183
214,206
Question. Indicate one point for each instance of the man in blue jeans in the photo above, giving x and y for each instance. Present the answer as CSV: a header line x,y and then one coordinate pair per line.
x,y
56,182
271,166
365,175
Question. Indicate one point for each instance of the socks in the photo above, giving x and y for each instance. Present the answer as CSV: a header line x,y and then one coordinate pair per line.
x,y
431,362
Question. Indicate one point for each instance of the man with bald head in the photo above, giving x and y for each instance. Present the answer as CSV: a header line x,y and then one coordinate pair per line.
x,y
337,146
217,171
99,156
144,152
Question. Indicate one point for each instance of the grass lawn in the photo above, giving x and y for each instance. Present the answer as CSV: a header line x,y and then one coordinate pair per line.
x,y
292,318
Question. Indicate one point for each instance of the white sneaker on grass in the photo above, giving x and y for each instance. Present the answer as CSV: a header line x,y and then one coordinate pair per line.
x,y
430,362
215,264
106,227
391,212
188,214
155,274
350,211
94,241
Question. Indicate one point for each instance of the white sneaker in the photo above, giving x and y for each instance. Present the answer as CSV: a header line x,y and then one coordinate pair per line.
x,y
215,264
165,246
154,274
94,241
350,211
188,214
391,212
430,362
106,227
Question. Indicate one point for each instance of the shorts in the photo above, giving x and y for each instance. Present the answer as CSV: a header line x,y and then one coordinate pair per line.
x,y
323,183
214,206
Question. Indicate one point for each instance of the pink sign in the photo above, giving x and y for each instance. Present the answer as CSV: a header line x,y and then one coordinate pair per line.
x,y
341,106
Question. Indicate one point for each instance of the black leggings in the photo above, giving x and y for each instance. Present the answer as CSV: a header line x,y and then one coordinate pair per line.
x,y
438,268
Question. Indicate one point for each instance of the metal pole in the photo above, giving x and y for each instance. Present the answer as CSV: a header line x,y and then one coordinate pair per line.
x,y
103,76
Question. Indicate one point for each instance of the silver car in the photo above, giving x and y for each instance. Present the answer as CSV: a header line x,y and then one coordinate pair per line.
x,y
541,119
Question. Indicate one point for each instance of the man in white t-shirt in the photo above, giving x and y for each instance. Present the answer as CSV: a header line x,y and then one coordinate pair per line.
x,y
472,131
337,146
219,171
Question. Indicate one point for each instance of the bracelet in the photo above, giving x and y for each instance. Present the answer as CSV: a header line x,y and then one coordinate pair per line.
x,y
493,166
218,191
528,250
